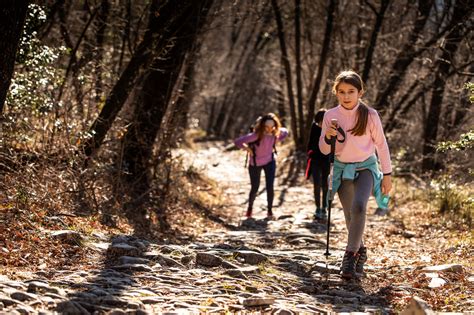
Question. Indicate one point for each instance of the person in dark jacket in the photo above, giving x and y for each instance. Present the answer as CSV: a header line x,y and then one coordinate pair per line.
x,y
318,167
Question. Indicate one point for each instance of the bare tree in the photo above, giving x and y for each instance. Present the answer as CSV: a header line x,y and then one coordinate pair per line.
x,y
406,55
155,92
12,20
299,83
373,39
144,54
102,17
332,5
287,67
462,8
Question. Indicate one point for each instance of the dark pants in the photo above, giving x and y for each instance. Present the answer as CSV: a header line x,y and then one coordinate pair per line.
x,y
320,173
254,172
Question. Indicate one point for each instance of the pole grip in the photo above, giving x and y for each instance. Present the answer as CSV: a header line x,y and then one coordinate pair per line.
x,y
333,141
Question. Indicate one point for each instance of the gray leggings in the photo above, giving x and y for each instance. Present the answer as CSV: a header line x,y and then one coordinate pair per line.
x,y
354,196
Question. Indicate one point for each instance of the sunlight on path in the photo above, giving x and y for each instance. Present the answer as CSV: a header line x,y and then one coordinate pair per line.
x,y
226,167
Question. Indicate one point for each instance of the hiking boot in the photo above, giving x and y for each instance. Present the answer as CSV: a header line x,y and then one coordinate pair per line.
x,y
249,213
348,265
361,260
321,214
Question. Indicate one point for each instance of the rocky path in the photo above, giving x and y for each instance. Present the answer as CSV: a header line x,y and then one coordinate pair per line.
x,y
252,266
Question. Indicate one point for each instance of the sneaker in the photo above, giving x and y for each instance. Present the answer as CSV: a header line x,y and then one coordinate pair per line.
x,y
381,212
361,259
321,214
324,214
270,214
348,265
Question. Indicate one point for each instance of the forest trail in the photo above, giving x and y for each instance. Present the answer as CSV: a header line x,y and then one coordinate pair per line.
x,y
247,266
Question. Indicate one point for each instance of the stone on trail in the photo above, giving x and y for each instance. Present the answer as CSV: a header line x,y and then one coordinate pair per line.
x,y
417,306
123,249
133,267
23,296
257,301
6,301
242,272
169,262
70,307
252,258
133,260
436,283
283,312
323,268
208,260
67,236
228,265
444,268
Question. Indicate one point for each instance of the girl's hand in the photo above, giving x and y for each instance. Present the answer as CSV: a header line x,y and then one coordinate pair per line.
x,y
249,151
331,132
386,184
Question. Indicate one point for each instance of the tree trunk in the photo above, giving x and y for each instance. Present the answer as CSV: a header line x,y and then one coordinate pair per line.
x,y
332,5
125,35
281,95
444,63
162,17
179,120
373,39
100,38
12,20
287,67
299,84
153,100
405,56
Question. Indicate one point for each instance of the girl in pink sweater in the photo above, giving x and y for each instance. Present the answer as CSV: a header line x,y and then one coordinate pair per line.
x,y
260,146
364,137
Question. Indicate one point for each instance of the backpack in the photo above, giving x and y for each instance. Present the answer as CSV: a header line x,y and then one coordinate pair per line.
x,y
253,145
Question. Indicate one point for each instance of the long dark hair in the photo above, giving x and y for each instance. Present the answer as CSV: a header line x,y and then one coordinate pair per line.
x,y
318,117
352,78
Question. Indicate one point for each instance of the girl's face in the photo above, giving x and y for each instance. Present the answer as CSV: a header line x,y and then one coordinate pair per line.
x,y
347,95
269,126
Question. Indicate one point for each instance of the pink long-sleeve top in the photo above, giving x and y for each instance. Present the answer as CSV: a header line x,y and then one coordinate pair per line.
x,y
264,150
357,148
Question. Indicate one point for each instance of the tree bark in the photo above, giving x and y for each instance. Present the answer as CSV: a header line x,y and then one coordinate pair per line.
x,y
155,94
406,55
100,39
331,8
176,129
452,41
287,67
12,20
299,84
161,17
373,38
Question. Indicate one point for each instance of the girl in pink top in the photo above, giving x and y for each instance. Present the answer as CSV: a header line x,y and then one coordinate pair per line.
x,y
260,146
364,137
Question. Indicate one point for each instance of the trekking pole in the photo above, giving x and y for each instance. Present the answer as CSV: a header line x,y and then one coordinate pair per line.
x,y
330,180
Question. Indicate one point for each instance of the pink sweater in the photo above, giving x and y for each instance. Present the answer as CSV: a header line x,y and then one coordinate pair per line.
x,y
357,148
264,151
